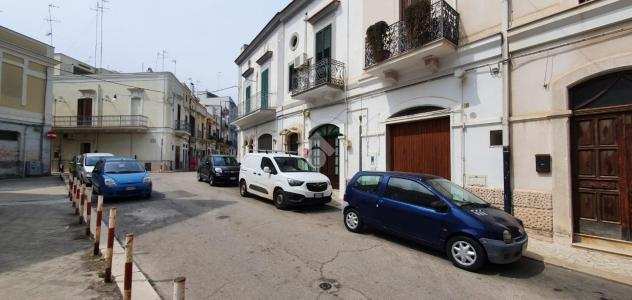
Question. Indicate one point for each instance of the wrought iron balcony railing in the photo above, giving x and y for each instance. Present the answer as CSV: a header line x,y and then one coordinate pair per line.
x,y
96,122
252,104
312,75
182,126
443,23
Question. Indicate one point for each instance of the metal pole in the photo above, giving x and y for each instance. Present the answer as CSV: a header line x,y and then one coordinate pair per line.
x,y
109,252
97,228
178,288
127,278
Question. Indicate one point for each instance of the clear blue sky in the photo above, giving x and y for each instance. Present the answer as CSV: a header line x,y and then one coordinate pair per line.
x,y
203,36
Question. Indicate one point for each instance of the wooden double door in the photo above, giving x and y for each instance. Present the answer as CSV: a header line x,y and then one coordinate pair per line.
x,y
602,174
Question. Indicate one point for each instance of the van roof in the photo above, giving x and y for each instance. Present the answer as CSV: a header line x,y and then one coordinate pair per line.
x,y
98,154
271,154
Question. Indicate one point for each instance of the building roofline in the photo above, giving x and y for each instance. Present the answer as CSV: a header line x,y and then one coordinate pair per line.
x,y
278,18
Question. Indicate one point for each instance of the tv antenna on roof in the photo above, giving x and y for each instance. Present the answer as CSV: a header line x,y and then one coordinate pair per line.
x,y
50,21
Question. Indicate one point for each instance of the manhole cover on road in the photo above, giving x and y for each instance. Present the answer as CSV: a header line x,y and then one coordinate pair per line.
x,y
328,285
325,286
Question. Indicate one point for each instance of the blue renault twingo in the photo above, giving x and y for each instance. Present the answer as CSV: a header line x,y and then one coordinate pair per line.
x,y
436,212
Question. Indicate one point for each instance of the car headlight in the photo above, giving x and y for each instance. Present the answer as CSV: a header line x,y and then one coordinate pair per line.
x,y
294,182
507,237
109,182
218,170
147,179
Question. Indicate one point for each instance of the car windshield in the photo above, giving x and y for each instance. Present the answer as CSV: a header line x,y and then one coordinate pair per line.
x,y
122,167
456,194
294,164
92,160
224,161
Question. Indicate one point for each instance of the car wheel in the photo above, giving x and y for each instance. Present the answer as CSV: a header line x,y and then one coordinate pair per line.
x,y
243,189
466,253
199,177
353,221
211,180
279,199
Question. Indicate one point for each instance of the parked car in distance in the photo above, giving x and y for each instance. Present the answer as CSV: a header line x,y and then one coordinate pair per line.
x,y
218,169
436,212
86,165
286,179
121,177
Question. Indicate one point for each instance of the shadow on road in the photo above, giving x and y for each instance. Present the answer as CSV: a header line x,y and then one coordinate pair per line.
x,y
521,269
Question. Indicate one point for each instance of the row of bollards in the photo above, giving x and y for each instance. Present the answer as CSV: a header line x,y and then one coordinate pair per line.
x,y
81,197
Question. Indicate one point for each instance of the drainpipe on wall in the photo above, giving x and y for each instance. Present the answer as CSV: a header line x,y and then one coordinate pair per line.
x,y
506,94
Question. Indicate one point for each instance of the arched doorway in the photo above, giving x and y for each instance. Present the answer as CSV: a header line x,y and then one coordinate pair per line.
x,y
420,146
325,151
601,151
264,143
292,143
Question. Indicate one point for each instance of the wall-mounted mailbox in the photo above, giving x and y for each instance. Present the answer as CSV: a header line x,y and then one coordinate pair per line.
x,y
543,163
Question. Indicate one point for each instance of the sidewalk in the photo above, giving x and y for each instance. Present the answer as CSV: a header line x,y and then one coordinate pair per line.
x,y
45,253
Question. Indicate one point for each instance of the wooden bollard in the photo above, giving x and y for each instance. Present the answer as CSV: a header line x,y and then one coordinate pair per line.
x,y
88,210
127,278
97,228
109,252
178,288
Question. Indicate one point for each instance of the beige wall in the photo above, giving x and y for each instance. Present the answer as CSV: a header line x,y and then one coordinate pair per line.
x,y
152,103
540,115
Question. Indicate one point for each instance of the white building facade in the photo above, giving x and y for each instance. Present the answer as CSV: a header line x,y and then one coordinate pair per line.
x,y
528,106
150,116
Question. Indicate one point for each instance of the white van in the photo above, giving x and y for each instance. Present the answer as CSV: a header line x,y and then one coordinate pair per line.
x,y
286,179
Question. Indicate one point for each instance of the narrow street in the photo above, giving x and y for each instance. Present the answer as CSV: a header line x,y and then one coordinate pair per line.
x,y
232,247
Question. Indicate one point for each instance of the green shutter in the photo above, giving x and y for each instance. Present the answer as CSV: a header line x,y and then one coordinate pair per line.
x,y
247,99
264,89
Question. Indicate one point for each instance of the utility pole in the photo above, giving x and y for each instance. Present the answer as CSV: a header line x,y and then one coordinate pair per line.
x,y
50,21
101,56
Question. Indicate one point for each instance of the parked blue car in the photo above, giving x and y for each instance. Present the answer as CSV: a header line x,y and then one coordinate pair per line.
x,y
121,177
436,212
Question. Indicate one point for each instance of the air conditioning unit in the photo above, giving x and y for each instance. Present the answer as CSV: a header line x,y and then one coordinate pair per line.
x,y
300,60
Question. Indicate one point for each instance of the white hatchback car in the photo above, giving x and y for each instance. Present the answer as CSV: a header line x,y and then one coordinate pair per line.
x,y
86,165
285,179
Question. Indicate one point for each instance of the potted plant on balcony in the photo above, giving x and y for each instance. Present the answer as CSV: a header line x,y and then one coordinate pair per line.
x,y
417,23
375,35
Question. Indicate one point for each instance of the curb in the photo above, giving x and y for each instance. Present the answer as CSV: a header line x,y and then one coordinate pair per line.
x,y
141,288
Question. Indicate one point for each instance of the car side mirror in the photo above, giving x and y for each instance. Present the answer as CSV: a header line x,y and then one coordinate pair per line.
x,y
266,170
439,206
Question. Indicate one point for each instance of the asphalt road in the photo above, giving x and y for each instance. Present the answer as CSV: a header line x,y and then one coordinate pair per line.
x,y
232,247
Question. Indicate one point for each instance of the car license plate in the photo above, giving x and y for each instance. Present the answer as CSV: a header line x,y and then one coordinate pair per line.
x,y
318,195
233,178
130,188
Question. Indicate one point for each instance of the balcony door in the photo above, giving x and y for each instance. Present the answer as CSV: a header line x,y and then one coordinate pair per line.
x,y
84,112
247,108
264,89
323,56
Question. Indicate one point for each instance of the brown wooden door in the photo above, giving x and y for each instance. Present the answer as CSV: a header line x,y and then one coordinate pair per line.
x,y
601,173
84,112
330,167
421,147
177,158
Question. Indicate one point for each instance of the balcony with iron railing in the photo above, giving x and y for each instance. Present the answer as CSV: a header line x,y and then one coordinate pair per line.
x,y
254,110
182,128
320,80
418,41
111,123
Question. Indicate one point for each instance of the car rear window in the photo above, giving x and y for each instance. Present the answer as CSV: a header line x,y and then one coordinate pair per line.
x,y
121,167
367,183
